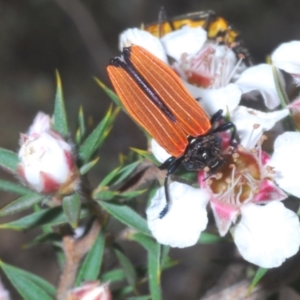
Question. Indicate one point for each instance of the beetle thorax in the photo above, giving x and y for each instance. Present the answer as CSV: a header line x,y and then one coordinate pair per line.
x,y
204,152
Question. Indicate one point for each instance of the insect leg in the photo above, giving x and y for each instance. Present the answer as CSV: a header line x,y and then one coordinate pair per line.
x,y
172,168
167,163
225,127
217,116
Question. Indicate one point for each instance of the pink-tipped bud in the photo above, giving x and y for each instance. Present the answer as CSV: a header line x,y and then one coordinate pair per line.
x,y
47,164
91,290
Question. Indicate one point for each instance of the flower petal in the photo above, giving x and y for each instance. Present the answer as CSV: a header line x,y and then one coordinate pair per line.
x,y
159,152
267,235
286,57
286,162
268,191
224,215
212,100
186,40
260,78
144,39
186,218
40,124
251,124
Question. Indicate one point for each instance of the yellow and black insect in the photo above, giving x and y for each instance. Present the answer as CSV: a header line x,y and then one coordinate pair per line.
x,y
217,28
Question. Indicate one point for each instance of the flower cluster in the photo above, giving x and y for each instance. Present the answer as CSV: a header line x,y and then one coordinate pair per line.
x,y
246,193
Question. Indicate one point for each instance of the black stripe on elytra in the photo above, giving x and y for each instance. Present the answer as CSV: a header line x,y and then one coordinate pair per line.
x,y
143,84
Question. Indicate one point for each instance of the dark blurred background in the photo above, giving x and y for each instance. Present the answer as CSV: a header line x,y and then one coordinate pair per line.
x,y
78,38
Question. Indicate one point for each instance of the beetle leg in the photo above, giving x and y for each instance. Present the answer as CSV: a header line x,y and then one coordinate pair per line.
x,y
176,162
225,127
167,163
217,116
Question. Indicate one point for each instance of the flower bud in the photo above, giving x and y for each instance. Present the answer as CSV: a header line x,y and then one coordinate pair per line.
x,y
47,164
91,290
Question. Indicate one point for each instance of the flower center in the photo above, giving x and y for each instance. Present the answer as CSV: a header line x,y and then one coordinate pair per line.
x,y
238,180
214,66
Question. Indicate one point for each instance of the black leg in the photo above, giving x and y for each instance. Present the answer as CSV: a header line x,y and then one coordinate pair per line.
x,y
225,127
217,116
172,168
166,164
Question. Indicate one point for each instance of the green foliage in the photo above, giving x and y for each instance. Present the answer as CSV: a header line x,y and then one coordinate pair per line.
x,y
30,287
126,215
97,137
60,117
8,160
91,265
260,273
71,206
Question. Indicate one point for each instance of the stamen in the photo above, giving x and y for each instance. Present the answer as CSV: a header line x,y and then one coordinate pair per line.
x,y
255,126
234,69
206,169
237,197
235,155
241,148
219,175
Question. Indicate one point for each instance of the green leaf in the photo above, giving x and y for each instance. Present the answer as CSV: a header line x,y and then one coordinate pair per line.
x,y
87,167
209,238
97,137
258,276
91,265
51,238
112,95
154,270
113,275
30,287
147,155
280,87
126,171
108,178
22,203
60,117
126,215
49,217
14,188
132,194
8,160
128,268
104,194
71,206
81,126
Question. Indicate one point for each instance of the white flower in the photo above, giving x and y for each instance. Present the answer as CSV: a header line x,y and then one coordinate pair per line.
x,y
267,235
47,163
244,186
186,218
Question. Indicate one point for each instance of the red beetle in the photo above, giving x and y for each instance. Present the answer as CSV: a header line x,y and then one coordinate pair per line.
x,y
155,98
